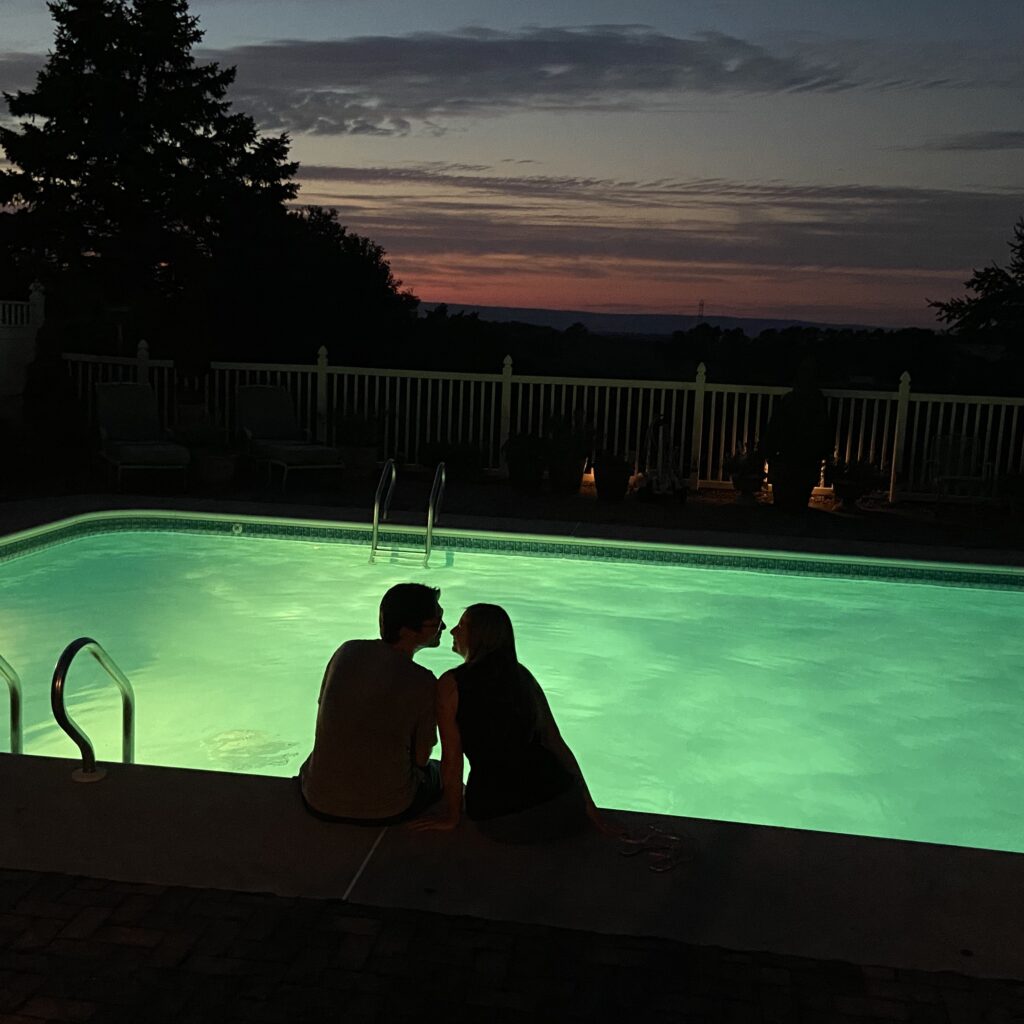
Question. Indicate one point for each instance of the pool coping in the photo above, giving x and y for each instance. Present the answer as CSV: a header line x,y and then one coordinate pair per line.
x,y
22,514
917,567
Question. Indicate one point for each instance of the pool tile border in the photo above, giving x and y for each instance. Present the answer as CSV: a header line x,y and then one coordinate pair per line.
x,y
92,524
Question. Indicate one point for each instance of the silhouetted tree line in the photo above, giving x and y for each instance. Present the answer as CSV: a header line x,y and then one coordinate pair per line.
x,y
850,358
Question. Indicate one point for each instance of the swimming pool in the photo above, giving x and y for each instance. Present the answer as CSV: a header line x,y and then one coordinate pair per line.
x,y
856,696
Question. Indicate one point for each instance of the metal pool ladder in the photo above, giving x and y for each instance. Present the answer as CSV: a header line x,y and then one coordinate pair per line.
x,y
380,511
14,685
89,772
433,510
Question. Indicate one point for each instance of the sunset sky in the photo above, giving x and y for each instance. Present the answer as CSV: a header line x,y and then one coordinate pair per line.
x,y
838,161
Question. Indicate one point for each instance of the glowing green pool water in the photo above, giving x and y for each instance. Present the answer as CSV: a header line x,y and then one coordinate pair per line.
x,y
857,706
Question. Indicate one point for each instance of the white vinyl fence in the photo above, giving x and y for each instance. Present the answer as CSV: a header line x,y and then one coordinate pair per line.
x,y
15,314
921,443
19,323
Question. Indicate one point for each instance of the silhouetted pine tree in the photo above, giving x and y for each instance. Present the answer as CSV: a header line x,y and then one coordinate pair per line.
x,y
996,309
128,162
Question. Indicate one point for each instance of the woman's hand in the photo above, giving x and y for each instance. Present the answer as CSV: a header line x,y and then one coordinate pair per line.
x,y
435,823
603,825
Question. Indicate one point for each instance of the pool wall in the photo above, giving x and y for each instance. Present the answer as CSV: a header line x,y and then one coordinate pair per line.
x,y
785,563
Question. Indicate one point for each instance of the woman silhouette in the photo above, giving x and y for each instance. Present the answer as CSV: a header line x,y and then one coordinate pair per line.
x,y
524,783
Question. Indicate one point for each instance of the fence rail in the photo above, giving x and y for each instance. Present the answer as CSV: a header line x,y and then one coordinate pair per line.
x,y
923,443
15,314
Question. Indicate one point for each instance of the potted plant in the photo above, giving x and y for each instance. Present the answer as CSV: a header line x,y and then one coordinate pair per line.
x,y
745,467
462,460
525,458
612,474
1011,490
852,480
357,438
568,447
214,461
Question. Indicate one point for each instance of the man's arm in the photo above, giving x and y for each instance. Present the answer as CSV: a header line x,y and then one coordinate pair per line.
x,y
425,739
328,674
447,704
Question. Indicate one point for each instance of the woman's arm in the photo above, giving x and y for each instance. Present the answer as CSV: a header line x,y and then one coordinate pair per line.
x,y
446,701
551,738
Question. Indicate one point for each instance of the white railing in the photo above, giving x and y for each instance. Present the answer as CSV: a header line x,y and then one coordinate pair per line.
x,y
15,314
917,441
19,325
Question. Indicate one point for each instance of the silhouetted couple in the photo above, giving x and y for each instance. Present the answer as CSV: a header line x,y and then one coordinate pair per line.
x,y
377,721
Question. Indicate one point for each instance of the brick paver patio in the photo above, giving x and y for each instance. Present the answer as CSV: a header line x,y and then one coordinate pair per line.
x,y
81,949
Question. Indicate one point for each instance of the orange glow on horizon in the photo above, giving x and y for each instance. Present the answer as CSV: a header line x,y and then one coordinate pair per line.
x,y
889,299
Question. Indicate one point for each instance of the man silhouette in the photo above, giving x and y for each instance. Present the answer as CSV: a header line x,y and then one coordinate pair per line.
x,y
375,725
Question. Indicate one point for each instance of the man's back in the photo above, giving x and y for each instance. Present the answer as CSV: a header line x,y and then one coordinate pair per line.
x,y
375,704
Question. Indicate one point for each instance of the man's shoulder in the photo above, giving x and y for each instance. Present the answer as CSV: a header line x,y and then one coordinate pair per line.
x,y
361,646
381,657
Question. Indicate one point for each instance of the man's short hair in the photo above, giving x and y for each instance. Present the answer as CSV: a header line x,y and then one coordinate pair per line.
x,y
409,605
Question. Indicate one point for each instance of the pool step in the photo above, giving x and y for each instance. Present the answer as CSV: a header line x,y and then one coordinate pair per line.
x,y
409,556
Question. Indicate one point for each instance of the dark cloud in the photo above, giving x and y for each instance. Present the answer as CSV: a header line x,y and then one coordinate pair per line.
x,y
976,142
426,82
387,84
430,209
18,71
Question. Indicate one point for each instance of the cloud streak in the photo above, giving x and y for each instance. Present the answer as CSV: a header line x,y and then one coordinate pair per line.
x,y
443,208
976,142
385,85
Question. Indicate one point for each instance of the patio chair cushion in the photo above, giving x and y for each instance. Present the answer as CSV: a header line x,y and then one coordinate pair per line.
x,y
141,453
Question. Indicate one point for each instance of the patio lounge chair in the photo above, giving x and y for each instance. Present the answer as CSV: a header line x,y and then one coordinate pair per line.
x,y
956,467
266,416
131,436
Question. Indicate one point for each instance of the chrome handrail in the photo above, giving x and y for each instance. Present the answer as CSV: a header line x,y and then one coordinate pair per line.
x,y
434,509
67,723
381,512
14,685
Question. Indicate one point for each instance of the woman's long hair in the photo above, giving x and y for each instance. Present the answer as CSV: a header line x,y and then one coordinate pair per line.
x,y
490,632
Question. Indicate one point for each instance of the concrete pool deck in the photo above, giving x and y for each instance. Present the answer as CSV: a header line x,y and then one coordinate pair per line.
x,y
794,892
918,928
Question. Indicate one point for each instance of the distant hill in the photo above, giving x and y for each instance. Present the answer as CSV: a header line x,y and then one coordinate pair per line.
x,y
628,323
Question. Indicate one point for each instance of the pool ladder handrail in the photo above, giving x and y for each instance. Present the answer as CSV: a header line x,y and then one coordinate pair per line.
x,y
14,685
89,772
380,511
434,510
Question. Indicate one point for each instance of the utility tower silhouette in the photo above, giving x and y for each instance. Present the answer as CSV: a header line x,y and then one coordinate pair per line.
x,y
700,308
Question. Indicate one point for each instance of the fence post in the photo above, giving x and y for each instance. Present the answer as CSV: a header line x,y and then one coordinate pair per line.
x,y
142,362
506,408
321,394
697,435
899,432
36,305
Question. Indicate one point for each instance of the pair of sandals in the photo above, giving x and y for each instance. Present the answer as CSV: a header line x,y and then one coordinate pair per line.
x,y
665,851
